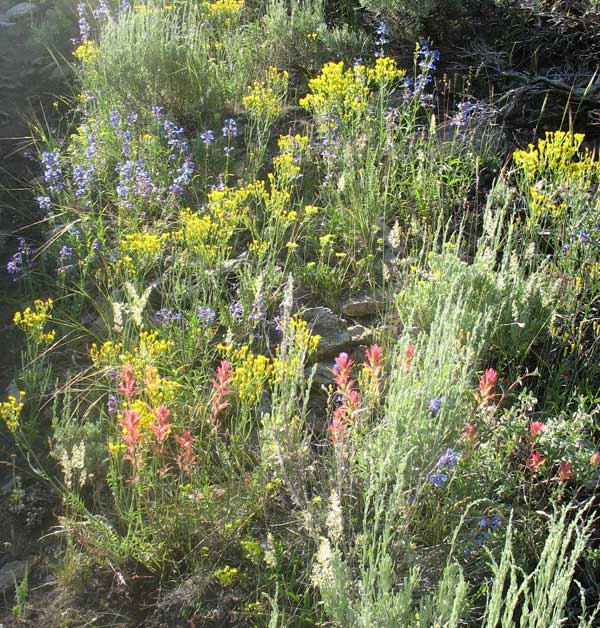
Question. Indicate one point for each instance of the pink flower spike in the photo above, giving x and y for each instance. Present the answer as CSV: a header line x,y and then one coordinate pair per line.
x,y
595,459
128,387
162,427
535,429
565,471
342,371
186,457
337,431
470,433
535,462
487,383
220,390
131,435
374,358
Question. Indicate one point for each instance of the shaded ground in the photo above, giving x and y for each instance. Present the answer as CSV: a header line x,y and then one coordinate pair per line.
x,y
29,79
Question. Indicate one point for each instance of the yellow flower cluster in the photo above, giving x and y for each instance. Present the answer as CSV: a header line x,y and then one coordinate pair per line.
x,y
224,9
87,52
159,389
149,348
385,72
33,321
554,165
141,245
250,373
107,355
553,158
265,99
338,91
10,411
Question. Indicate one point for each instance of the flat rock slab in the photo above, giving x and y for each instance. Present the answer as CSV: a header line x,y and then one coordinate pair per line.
x,y
11,572
361,306
23,9
332,329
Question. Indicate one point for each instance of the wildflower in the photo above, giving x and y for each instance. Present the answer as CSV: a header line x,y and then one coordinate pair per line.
x,y
131,435
220,390
128,387
438,479
206,315
470,433
84,26
487,383
565,471
183,178
111,404
236,310
535,462
406,363
381,40
337,431
44,202
595,458
229,128
157,112
17,264
374,358
33,321
162,427
115,119
448,460
207,137
258,312
186,457
52,171
166,316
10,411
341,371
435,405
535,429
411,499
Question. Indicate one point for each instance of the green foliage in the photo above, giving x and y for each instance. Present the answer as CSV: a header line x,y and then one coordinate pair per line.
x,y
201,435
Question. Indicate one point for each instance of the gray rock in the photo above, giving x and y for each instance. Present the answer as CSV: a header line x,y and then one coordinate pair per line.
x,y
360,334
323,375
23,9
331,328
362,306
11,572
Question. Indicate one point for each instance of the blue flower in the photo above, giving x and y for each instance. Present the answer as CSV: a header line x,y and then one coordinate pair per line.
x,y
52,171
236,310
448,460
229,128
438,479
19,262
207,137
44,202
206,315
111,404
435,405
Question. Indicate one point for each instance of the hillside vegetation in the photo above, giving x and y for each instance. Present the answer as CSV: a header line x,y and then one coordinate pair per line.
x,y
313,335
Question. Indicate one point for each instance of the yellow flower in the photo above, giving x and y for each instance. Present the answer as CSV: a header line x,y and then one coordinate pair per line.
x,y
87,52
10,411
33,321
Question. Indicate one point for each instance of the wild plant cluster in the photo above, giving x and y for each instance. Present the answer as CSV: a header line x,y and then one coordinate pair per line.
x,y
228,171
